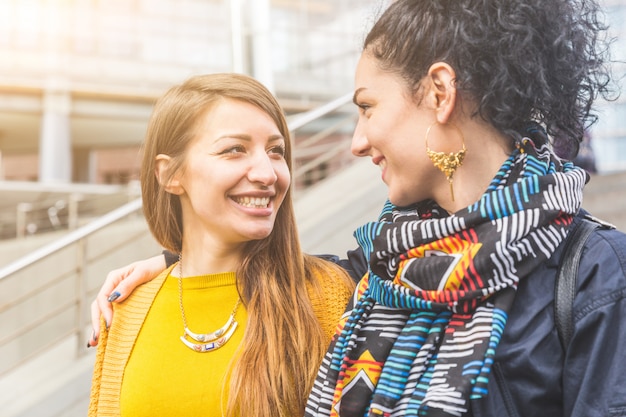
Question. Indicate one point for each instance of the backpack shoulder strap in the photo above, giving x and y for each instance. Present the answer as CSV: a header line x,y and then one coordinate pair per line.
x,y
567,274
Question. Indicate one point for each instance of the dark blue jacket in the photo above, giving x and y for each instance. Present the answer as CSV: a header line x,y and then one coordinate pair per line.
x,y
532,375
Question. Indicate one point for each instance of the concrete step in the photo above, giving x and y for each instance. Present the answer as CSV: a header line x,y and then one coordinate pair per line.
x,y
53,384
328,213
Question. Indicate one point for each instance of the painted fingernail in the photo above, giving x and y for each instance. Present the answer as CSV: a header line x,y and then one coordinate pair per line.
x,y
114,296
93,335
88,345
106,323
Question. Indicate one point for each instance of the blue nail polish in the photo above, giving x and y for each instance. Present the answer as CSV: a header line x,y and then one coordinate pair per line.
x,y
114,296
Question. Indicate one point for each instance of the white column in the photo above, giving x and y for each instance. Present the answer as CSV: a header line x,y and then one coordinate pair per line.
x,y
261,44
84,164
237,36
55,145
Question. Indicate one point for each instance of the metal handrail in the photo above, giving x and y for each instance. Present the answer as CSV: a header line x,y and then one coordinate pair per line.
x,y
59,277
70,238
303,118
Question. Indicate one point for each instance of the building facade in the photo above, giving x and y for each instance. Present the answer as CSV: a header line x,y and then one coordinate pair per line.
x,y
608,136
78,77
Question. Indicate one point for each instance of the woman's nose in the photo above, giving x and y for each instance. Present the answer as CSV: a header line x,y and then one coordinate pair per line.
x,y
360,145
262,170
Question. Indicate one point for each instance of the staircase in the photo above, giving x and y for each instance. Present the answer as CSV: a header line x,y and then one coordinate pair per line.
x,y
45,367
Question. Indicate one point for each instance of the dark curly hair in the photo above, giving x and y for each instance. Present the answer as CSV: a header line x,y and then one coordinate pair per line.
x,y
520,61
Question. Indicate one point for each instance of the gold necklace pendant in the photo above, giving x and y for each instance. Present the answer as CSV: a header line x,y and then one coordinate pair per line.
x,y
216,339
209,337
208,347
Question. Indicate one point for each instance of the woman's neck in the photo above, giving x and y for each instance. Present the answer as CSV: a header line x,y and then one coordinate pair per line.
x,y
202,259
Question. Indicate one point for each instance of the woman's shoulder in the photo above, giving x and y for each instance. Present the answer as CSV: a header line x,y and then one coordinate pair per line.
x,y
602,269
330,288
603,253
143,295
612,240
329,275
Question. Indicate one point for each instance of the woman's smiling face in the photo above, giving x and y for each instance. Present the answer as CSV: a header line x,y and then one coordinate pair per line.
x,y
390,130
235,175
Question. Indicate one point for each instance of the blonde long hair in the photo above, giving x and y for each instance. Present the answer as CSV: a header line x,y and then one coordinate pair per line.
x,y
283,343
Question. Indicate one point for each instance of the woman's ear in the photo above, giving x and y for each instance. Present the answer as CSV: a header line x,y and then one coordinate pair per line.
x,y
441,77
170,183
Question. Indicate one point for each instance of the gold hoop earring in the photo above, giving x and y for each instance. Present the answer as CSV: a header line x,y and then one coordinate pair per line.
x,y
447,163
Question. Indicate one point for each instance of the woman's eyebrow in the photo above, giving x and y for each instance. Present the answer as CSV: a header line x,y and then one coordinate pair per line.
x,y
356,93
247,137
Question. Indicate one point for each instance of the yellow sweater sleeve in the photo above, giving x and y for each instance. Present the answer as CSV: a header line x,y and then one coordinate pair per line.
x,y
329,304
115,345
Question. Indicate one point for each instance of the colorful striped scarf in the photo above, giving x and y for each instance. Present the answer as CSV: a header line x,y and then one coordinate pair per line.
x,y
420,333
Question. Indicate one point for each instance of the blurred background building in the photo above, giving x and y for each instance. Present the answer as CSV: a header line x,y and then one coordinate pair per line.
x,y
608,136
78,79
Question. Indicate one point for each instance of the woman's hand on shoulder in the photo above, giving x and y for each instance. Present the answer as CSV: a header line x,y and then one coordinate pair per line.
x,y
117,286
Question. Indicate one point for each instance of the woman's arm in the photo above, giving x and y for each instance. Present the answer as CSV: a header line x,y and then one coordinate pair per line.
x,y
594,366
118,284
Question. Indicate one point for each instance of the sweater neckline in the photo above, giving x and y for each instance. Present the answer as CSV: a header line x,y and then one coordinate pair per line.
x,y
220,279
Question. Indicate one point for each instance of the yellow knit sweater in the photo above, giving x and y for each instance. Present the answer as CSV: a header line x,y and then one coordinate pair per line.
x,y
163,377
149,349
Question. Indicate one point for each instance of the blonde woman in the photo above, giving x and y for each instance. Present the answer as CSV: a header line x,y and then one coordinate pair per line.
x,y
237,326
